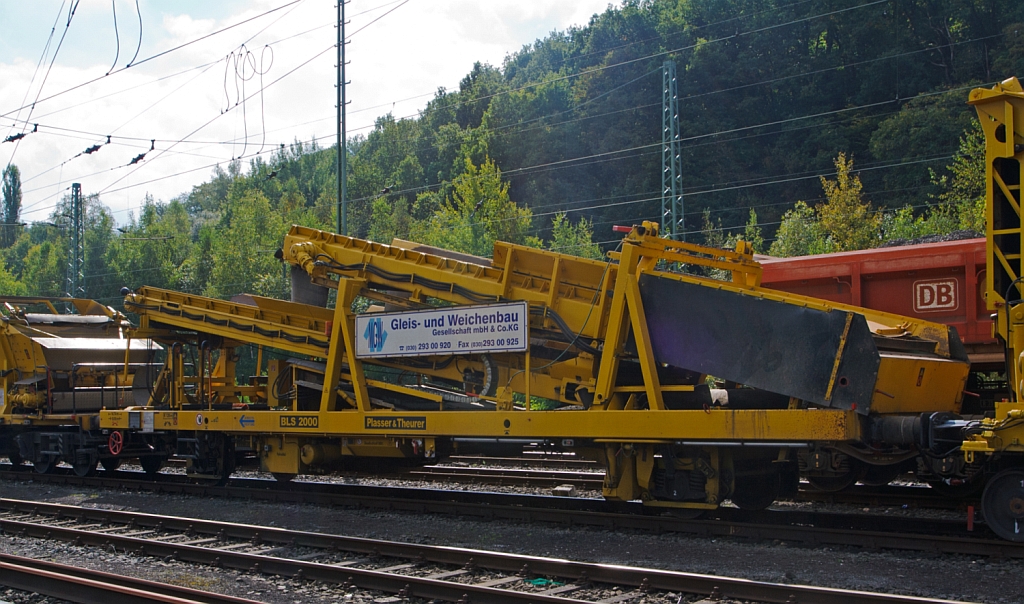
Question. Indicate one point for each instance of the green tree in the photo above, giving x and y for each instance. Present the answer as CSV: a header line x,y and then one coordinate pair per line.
x,y
11,210
1010,62
963,193
713,233
903,224
847,220
575,239
923,127
477,213
717,236
153,247
389,220
99,238
799,234
243,252
9,285
752,233
197,269
46,268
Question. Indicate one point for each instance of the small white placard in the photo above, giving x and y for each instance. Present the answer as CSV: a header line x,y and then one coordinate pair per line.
x,y
441,331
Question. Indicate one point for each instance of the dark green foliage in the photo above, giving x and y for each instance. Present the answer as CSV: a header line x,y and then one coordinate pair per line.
x,y
771,93
10,212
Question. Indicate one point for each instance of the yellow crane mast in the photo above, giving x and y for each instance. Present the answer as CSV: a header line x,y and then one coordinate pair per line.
x,y
997,442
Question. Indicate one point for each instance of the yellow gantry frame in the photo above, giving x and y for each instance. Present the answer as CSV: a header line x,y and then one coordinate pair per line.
x,y
1001,112
584,292
598,300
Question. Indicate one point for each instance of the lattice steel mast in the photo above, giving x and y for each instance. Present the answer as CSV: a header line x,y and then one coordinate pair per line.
x,y
672,223
75,283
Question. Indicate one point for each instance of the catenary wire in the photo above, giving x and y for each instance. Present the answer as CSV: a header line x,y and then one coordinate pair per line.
x,y
774,26
157,55
507,173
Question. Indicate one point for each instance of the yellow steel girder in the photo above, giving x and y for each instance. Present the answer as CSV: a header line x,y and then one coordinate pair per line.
x,y
713,426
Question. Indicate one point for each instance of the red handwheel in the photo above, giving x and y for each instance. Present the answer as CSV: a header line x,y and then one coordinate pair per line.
x,y
115,443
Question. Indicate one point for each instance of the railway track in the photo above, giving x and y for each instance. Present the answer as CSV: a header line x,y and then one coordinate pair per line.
x,y
892,496
408,570
550,472
531,477
794,527
592,479
84,586
557,461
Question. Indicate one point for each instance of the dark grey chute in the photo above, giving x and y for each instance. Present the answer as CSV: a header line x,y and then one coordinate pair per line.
x,y
774,346
304,291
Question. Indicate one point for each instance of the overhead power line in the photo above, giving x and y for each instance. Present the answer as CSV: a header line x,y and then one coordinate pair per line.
x,y
39,64
31,108
155,56
633,60
711,134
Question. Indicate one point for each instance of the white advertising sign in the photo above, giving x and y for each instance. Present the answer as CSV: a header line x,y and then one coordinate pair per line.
x,y
448,330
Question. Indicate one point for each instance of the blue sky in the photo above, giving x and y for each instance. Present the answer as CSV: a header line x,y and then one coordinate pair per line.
x,y
186,99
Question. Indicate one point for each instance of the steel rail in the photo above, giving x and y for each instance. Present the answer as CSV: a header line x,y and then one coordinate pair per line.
x,y
480,467
507,476
812,529
891,496
34,515
535,460
894,496
85,586
349,495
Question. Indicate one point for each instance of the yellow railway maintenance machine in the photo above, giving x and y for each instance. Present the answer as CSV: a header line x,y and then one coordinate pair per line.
x,y
61,361
609,359
998,442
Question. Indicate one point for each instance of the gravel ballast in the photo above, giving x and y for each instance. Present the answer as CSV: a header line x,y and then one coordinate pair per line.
x,y
937,576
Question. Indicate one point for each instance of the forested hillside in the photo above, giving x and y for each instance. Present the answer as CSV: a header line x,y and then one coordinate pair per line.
x,y
773,95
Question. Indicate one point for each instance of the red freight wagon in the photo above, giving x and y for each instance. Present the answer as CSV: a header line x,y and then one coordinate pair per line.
x,y
941,282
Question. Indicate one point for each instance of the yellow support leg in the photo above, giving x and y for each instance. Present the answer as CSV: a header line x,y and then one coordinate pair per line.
x,y
343,332
649,367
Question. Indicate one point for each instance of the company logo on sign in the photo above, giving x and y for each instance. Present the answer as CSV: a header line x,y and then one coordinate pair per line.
x,y
375,335
935,295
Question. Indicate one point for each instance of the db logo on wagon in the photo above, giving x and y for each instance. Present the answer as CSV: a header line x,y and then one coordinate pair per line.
x,y
935,295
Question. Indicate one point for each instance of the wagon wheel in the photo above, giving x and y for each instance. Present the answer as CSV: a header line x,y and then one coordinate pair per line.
x,y
756,492
214,460
1003,505
44,465
879,476
151,464
834,484
85,468
110,464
